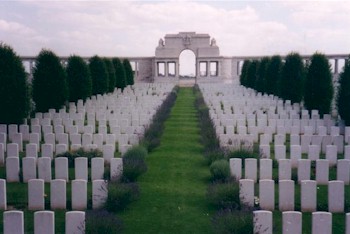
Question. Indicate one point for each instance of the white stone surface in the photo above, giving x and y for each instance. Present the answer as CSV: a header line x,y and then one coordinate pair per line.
x,y
99,193
79,194
3,198
250,169
321,223
292,222
58,195
322,171
116,168
81,168
12,169
308,196
304,169
36,194
265,169
284,169
286,195
44,169
75,222
44,222
263,222
267,194
336,196
246,192
28,169
61,168
13,222
97,168
343,170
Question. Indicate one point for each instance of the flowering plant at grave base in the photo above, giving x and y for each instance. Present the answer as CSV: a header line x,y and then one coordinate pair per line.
x,y
256,201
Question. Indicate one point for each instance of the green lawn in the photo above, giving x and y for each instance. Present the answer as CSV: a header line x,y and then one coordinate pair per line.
x,y
173,190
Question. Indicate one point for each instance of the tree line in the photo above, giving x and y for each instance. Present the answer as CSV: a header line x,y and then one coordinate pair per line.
x,y
54,85
292,79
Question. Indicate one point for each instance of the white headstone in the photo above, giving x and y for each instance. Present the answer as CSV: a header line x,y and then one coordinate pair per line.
x,y
108,152
314,152
32,150
44,169
3,199
61,148
280,152
321,223
236,168
308,196
267,194
294,139
246,192
13,222
99,193
2,154
292,222
12,169
265,169
79,194
250,169
322,171
331,154
17,138
286,195
36,194
264,151
81,168
47,150
304,169
116,168
12,150
61,168
28,169
97,168
295,154
336,196
75,222
58,194
343,170
284,169
263,222
44,222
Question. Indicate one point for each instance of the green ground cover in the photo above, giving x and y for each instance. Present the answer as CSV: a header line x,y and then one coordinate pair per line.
x,y
173,191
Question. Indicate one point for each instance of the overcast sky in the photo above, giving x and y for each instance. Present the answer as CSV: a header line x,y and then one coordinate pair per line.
x,y
133,28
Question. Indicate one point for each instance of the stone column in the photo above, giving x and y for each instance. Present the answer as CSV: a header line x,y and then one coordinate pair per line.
x,y
208,68
335,66
166,69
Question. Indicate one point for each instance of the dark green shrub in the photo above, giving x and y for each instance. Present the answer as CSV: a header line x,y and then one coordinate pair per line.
x,y
318,92
220,170
89,154
273,75
224,195
134,163
230,221
119,73
14,93
343,99
50,89
129,74
212,156
292,80
243,76
252,74
111,74
101,221
99,75
120,195
261,75
79,79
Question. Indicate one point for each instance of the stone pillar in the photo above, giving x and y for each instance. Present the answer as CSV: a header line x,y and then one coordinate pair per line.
x,y
208,68
166,69
335,66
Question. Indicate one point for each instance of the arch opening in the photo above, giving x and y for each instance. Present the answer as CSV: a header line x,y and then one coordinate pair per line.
x,y
187,64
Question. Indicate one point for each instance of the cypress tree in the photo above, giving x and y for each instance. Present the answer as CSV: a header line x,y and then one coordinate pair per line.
x,y
273,75
111,74
79,79
244,72
252,73
14,97
261,75
292,80
318,92
119,73
50,89
99,75
343,99
128,72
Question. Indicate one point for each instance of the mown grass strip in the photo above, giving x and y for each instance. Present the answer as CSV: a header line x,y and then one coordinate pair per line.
x,y
173,191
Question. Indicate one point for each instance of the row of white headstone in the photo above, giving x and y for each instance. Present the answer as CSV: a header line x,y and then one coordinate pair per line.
x,y
286,195
262,169
44,222
58,194
41,168
292,222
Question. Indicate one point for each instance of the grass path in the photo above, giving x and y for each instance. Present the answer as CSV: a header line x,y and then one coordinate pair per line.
x,y
173,191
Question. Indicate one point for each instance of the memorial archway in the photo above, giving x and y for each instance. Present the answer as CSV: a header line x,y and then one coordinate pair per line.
x,y
187,64
207,56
